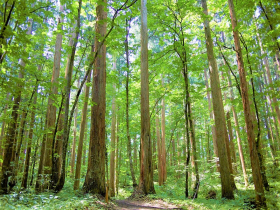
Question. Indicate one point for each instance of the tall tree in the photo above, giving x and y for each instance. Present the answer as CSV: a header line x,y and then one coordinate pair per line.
x,y
113,139
12,127
95,177
46,148
218,107
68,75
163,150
127,104
82,133
146,169
260,197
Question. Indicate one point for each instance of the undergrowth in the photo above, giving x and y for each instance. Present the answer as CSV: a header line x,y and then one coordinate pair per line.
x,y
171,192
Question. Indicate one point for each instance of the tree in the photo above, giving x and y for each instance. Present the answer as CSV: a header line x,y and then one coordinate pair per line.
x,y
260,197
95,177
146,169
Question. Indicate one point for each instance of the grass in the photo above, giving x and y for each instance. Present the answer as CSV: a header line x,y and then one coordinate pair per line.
x,y
171,192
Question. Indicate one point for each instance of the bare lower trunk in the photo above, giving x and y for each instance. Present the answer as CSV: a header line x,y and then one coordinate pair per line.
x,y
112,185
146,170
95,177
82,134
30,136
213,128
127,106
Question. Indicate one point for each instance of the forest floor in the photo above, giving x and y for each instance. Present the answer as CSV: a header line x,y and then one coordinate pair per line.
x,y
139,205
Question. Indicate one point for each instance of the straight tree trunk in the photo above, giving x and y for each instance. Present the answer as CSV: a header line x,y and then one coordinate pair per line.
x,y
127,106
73,152
82,135
239,144
112,185
163,150
46,148
30,136
51,113
146,170
256,172
95,177
159,146
214,136
220,122
2,137
194,152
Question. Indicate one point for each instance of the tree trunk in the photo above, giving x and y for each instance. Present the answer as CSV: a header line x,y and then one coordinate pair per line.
x,y
127,106
163,150
238,134
159,146
194,155
211,119
260,197
30,136
95,177
146,170
112,185
11,130
220,122
67,121
73,152
82,135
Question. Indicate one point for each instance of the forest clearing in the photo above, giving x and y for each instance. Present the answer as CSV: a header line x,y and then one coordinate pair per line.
x,y
136,104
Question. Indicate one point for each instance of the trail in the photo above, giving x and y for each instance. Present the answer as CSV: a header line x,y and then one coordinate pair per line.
x,y
144,205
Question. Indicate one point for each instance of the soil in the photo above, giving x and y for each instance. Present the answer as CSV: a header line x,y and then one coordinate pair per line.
x,y
142,204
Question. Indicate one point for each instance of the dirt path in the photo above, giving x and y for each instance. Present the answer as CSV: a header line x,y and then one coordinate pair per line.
x,y
139,205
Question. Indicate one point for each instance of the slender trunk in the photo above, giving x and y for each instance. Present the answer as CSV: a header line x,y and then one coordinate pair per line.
x,y
159,146
73,152
82,135
163,150
194,152
127,105
112,185
241,156
2,137
30,136
260,197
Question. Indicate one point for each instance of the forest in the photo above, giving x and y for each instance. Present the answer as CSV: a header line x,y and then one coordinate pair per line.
x,y
136,104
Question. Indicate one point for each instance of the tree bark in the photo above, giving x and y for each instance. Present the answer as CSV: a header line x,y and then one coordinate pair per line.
x,y
241,156
127,105
30,136
95,177
66,121
260,197
146,169
213,128
112,185
163,150
159,146
220,122
82,135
